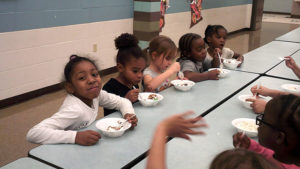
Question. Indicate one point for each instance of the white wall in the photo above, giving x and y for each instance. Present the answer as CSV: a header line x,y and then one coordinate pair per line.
x,y
33,59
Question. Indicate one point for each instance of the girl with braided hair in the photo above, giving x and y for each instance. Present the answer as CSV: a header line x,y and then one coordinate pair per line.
x,y
192,55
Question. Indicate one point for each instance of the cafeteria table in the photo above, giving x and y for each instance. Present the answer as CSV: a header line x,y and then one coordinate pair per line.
x,y
292,36
282,71
203,148
26,163
264,58
121,152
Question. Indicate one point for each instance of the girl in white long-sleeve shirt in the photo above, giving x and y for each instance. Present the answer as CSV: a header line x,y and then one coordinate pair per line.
x,y
80,107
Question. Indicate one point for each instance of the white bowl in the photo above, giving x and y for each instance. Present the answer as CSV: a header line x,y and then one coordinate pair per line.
x,y
243,98
183,85
245,125
110,126
145,99
231,63
292,88
223,72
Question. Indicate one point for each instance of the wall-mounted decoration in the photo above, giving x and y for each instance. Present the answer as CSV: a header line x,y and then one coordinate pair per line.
x,y
196,6
164,5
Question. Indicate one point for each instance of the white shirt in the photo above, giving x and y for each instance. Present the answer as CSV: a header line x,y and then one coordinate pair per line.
x,y
74,115
226,54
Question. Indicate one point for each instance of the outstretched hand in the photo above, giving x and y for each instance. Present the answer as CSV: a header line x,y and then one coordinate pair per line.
x,y
290,62
180,126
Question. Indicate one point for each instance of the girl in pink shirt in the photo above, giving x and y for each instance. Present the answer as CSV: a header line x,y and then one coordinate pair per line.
x,y
278,132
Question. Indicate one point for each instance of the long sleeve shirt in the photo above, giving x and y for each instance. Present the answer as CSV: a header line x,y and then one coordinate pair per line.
x,y
268,154
74,115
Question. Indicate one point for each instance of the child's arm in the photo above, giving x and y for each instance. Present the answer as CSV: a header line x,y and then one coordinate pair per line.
x,y
290,63
112,101
264,91
197,76
151,84
238,57
174,126
51,131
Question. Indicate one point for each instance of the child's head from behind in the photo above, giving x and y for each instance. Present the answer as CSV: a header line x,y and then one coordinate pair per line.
x,y
192,46
82,78
241,159
162,51
131,61
279,126
215,36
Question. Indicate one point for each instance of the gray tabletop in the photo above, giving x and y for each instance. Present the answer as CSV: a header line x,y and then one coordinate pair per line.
x,y
26,163
264,58
282,70
117,152
293,36
202,149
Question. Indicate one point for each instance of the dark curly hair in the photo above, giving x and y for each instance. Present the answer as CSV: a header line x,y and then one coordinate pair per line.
x,y
127,45
212,29
286,110
185,45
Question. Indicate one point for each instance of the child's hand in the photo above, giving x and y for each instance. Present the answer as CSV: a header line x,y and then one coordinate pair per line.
x,y
290,62
240,58
175,67
213,75
132,95
131,119
179,126
258,105
87,138
264,91
216,53
240,140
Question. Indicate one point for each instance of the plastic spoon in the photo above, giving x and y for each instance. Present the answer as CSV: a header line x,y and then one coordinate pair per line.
x,y
221,64
180,75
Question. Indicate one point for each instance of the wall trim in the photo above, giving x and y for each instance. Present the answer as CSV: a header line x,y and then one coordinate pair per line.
x,y
46,90
280,13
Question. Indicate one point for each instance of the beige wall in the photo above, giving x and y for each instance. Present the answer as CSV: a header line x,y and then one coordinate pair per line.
x,y
33,59
232,18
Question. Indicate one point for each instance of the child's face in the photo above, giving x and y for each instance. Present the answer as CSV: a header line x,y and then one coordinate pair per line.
x,y
266,132
133,70
218,39
85,82
198,51
164,61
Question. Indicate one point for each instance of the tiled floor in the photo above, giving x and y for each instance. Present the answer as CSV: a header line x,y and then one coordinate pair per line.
x,y
16,120
280,19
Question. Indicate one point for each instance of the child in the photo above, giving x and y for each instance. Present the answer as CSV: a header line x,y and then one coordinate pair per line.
x,y
131,63
80,107
162,52
215,37
180,126
278,132
192,55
